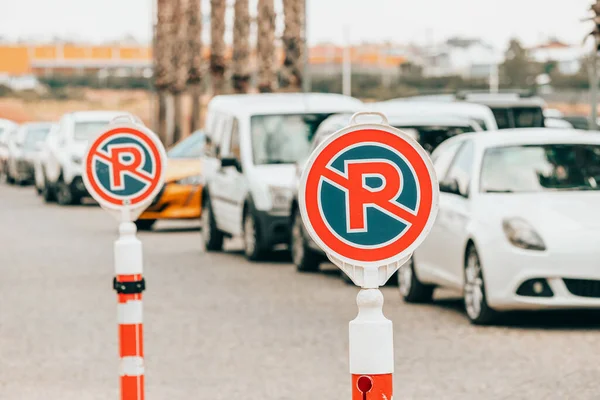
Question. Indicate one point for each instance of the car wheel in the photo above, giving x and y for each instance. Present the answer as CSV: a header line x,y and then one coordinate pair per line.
x,y
144,224
305,259
64,194
48,192
411,288
476,307
211,236
253,246
38,189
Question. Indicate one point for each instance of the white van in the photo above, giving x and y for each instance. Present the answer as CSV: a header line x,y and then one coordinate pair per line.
x,y
254,142
478,113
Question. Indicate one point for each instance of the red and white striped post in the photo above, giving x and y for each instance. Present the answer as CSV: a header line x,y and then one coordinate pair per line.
x,y
129,285
371,349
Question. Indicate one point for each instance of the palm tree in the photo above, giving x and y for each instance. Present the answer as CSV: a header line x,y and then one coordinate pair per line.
x,y
217,44
180,65
291,74
265,45
194,79
162,64
241,52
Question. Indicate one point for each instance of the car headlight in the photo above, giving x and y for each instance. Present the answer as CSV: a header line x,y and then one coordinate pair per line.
x,y
281,197
76,159
192,180
521,234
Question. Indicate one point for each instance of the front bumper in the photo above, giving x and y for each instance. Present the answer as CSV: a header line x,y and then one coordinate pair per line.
x,y
573,277
175,202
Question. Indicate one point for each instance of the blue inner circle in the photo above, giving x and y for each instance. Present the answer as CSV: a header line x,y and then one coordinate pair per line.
x,y
380,227
132,186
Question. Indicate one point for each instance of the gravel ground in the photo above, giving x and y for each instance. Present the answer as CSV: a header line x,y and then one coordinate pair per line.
x,y
220,328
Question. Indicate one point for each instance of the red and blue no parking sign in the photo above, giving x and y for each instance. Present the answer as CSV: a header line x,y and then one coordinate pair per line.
x,y
125,166
369,195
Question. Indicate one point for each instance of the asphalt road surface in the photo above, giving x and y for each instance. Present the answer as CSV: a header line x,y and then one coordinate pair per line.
x,y
220,328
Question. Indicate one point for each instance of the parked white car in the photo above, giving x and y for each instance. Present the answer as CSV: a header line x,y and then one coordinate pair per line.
x,y
23,150
63,153
518,223
255,140
480,114
8,128
428,130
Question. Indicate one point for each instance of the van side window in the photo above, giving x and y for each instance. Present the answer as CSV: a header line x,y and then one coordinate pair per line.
x,y
234,147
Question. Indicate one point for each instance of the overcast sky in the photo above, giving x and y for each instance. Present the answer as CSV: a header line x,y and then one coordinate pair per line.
x,y
401,21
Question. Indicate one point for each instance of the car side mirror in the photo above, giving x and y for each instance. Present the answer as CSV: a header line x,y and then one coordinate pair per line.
x,y
450,186
231,162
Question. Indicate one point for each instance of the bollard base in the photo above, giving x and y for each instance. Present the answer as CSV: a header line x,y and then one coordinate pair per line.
x,y
372,387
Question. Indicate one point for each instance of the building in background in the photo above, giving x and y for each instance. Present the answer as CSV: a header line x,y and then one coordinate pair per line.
x,y
568,58
468,58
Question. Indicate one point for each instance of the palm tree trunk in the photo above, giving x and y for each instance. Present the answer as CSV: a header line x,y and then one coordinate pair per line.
x,y
162,65
265,46
217,45
195,73
291,73
241,52
180,66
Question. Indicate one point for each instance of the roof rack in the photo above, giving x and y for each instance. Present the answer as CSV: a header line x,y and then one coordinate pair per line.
x,y
522,93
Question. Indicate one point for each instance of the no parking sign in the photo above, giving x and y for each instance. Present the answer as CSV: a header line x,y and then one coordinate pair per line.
x,y
124,170
368,197
125,167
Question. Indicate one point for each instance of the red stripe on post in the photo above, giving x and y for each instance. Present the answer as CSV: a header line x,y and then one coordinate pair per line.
x,y
131,340
375,387
132,387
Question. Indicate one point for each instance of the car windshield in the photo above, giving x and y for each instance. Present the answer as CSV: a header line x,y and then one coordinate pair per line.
x,y
528,117
283,139
88,129
430,137
536,168
190,147
35,135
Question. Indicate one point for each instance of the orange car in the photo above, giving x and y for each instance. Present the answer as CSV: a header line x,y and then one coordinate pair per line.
x,y
181,195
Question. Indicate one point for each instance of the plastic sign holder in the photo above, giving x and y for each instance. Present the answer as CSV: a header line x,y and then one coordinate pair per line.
x,y
368,197
124,169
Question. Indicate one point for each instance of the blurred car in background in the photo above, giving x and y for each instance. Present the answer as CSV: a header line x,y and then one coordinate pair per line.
x,y
24,149
511,108
578,121
430,130
256,140
480,114
63,152
7,129
517,226
181,195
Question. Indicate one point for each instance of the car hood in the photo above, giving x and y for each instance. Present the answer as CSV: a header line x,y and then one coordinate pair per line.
x,y
179,168
557,216
281,175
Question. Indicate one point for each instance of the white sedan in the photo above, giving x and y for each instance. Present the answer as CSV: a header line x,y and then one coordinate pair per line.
x,y
518,225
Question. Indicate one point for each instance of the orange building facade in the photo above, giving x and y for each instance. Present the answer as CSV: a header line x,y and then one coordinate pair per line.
x,y
40,60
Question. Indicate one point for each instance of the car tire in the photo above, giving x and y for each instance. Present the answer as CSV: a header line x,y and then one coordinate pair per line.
x,y
254,248
48,193
411,288
64,194
211,235
475,300
304,258
145,224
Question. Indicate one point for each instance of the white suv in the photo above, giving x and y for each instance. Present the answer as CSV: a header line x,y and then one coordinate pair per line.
x,y
63,152
254,142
